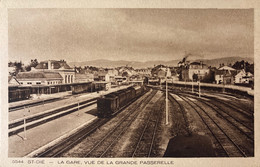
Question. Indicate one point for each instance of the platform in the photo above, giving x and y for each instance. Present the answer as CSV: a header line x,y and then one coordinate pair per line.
x,y
37,138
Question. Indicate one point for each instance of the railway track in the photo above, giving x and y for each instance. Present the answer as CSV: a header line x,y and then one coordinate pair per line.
x,y
238,124
101,148
62,147
37,103
182,112
32,121
228,145
249,114
146,139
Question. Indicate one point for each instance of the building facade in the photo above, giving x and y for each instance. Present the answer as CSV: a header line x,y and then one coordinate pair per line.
x,y
196,70
67,73
39,78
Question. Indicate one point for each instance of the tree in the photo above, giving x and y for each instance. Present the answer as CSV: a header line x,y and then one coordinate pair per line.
x,y
239,65
33,63
18,66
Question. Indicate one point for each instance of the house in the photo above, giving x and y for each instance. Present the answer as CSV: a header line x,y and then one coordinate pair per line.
x,y
226,68
126,71
159,71
195,70
243,77
102,76
12,81
80,78
225,76
67,73
39,78
143,71
11,70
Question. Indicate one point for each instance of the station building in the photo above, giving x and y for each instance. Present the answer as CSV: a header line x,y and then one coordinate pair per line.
x,y
67,73
39,78
49,72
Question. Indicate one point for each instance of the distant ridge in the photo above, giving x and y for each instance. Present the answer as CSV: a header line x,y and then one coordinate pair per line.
x,y
136,64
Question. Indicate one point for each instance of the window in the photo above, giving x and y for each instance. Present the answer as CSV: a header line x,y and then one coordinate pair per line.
x,y
48,82
38,83
21,82
29,83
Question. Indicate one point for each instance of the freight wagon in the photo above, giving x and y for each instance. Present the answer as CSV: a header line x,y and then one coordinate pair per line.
x,y
112,103
18,94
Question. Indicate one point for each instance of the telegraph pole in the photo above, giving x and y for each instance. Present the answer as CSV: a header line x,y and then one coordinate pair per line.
x,y
24,124
192,86
166,102
199,83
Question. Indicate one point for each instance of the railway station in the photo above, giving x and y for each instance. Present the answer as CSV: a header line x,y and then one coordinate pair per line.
x,y
130,83
129,121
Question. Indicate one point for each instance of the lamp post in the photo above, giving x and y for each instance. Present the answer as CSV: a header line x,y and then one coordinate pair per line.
x,y
24,123
199,83
192,85
166,100
78,109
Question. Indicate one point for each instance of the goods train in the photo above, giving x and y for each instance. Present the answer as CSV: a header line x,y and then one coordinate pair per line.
x,y
113,102
19,94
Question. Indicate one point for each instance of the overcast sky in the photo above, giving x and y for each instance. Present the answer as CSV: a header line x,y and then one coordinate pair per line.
x,y
129,34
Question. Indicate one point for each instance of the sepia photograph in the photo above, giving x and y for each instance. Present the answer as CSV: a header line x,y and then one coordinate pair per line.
x,y
165,84
131,83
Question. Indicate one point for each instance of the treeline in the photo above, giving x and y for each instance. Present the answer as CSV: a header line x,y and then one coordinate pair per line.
x,y
20,67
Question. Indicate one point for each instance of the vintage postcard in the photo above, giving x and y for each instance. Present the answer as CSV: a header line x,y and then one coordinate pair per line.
x,y
142,84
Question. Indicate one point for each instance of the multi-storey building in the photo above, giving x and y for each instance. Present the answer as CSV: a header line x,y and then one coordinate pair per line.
x,y
189,71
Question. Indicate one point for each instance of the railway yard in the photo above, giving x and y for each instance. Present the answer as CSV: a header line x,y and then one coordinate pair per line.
x,y
212,124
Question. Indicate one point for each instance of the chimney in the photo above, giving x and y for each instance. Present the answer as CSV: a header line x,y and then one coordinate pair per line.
x,y
49,64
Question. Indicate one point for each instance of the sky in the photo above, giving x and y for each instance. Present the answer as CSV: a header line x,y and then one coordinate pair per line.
x,y
77,35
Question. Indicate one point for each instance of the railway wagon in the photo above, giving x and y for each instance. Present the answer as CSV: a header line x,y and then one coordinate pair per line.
x,y
138,90
113,102
110,104
18,94
132,92
121,94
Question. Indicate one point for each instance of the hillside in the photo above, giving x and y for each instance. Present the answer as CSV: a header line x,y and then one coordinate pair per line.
x,y
136,64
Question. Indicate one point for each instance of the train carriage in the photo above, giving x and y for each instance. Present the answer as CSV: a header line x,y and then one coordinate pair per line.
x,y
138,90
132,92
122,97
107,105
113,102
19,94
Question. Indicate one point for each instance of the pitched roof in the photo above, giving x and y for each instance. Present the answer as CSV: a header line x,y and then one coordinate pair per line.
x,y
56,65
38,74
227,68
225,72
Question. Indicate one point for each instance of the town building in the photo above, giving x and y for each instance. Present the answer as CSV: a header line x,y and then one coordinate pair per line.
x,y
226,68
67,73
102,76
195,70
143,71
39,78
12,81
225,75
81,78
243,77
159,71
